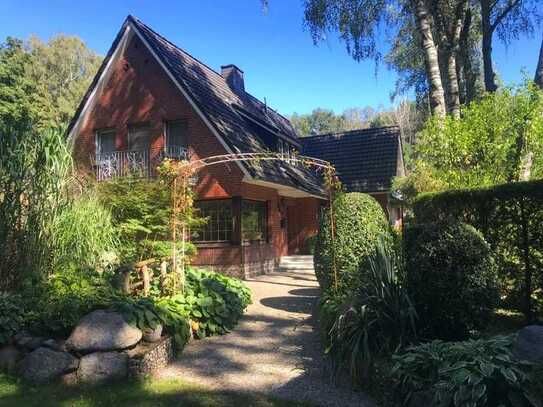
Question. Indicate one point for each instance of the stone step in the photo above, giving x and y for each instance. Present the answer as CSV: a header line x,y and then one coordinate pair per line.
x,y
297,262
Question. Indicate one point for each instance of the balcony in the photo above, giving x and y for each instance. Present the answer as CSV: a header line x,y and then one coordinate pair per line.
x,y
135,163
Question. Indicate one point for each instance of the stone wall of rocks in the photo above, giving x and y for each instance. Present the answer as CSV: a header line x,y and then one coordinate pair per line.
x,y
150,357
101,348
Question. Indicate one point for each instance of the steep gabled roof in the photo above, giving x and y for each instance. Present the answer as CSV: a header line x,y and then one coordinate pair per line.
x,y
237,119
366,160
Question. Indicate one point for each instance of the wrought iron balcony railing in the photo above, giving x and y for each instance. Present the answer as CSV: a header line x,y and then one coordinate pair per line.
x,y
136,163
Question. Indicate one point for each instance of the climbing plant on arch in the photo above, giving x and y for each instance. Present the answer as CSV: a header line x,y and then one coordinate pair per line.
x,y
179,173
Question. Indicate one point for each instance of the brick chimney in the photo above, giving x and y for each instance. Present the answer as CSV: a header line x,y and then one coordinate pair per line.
x,y
234,78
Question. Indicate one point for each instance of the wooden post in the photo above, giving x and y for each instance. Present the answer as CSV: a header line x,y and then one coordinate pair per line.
x,y
124,280
146,277
163,273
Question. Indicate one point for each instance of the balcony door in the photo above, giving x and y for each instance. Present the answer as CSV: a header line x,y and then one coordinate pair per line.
x,y
105,142
176,138
139,138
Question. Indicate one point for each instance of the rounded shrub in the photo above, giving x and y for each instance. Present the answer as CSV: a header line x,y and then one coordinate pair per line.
x,y
451,278
359,224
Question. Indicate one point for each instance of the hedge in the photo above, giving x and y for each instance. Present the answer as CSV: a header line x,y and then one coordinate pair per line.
x,y
359,224
510,217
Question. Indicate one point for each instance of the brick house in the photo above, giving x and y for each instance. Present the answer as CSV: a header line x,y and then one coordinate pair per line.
x,y
150,100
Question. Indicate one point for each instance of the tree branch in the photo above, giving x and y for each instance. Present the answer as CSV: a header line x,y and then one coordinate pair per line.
x,y
512,4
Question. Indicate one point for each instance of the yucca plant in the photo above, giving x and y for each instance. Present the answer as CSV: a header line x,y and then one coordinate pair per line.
x,y
376,319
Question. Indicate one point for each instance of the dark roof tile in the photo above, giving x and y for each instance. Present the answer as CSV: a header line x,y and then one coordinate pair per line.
x,y
366,160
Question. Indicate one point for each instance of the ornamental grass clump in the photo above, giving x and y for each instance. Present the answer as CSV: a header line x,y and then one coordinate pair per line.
x,y
374,320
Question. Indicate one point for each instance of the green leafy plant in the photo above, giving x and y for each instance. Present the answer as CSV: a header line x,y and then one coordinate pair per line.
x,y
497,140
215,301
145,313
359,223
12,316
372,321
478,373
452,279
56,305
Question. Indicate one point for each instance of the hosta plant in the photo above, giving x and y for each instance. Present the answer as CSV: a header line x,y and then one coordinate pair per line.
x,y
476,373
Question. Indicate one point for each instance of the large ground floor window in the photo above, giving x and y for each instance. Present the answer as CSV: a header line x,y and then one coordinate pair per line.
x,y
221,215
219,225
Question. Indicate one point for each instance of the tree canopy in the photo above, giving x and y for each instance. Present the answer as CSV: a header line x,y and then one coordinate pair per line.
x,y
497,140
43,82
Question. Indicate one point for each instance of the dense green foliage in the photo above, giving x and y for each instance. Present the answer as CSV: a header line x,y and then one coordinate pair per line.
x,y
84,236
34,171
211,301
451,277
480,373
510,217
214,301
497,140
359,223
141,212
56,305
372,321
12,316
43,83
45,227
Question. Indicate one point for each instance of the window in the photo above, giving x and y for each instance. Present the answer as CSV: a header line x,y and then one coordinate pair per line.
x,y
139,138
177,133
105,141
219,221
253,220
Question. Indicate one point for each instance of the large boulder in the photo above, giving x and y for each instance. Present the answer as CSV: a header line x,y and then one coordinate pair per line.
x,y
44,365
103,331
529,344
102,366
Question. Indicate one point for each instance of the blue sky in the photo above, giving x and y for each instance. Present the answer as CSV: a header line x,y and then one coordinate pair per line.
x,y
275,51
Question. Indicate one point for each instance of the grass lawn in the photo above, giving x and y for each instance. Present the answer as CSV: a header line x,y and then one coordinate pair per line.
x,y
131,393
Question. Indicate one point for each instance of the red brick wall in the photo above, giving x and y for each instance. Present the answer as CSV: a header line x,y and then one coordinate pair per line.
x,y
138,91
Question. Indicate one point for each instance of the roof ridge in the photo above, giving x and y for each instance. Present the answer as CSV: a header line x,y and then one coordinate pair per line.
x,y
349,132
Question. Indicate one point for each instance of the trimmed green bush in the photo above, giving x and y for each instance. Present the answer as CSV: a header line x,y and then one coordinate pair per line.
x,y
481,373
359,223
451,277
510,217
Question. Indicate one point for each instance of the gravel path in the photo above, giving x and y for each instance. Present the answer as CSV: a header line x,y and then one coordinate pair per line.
x,y
275,349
